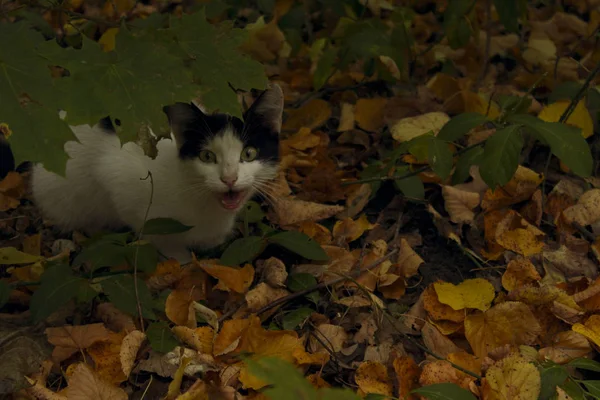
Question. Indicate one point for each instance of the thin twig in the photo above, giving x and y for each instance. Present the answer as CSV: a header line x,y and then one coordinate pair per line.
x,y
137,250
323,285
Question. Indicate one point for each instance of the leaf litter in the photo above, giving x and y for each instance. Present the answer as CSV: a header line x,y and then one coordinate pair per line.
x,y
495,284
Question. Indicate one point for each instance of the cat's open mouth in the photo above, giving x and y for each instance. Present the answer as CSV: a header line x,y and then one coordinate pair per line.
x,y
232,199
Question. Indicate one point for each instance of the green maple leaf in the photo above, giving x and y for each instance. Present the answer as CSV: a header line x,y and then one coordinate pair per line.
x,y
27,99
130,83
216,61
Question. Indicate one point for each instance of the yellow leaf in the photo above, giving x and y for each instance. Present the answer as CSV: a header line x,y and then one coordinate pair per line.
x,y
510,323
439,311
235,279
311,115
315,231
179,308
520,272
412,127
107,358
349,230
441,371
520,188
199,339
580,117
229,336
69,339
302,357
369,113
86,384
515,233
590,329
372,377
129,348
512,378
107,40
473,293
407,375
175,385
302,140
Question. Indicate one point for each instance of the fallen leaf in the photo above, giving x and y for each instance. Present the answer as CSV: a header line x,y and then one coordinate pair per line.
x,y
571,264
229,336
587,209
235,279
520,272
348,230
514,233
107,358
412,127
372,377
369,113
291,211
316,231
70,339
263,294
85,384
302,140
274,272
333,335
521,187
566,346
200,339
580,116
436,342
407,375
179,308
311,115
510,323
512,378
441,371
472,293
590,329
346,117
129,349
115,319
460,204
437,310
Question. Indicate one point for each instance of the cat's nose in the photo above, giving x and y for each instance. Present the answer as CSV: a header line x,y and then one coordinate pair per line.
x,y
229,180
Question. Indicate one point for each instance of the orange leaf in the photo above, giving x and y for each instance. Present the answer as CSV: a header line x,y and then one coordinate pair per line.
x,y
235,279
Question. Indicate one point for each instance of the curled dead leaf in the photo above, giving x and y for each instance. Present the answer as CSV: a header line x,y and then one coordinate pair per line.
x,y
85,384
129,349
290,211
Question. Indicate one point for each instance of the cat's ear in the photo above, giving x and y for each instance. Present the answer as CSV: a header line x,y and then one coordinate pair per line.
x,y
266,111
183,117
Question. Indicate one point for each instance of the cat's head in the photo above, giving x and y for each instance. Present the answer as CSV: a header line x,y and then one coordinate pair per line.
x,y
230,158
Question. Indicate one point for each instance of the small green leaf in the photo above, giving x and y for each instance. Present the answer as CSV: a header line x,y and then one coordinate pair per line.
x,y
440,157
324,67
593,387
458,32
85,293
293,319
147,256
411,187
513,104
375,396
4,293
463,165
552,377
508,12
58,287
161,337
460,125
10,255
574,390
103,253
287,382
585,363
121,292
164,226
252,213
564,91
242,250
501,156
300,244
301,281
565,141
444,391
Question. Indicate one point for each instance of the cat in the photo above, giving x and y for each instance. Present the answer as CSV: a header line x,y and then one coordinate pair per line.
x,y
202,177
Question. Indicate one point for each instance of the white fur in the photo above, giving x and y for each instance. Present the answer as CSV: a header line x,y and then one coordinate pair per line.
x,y
105,188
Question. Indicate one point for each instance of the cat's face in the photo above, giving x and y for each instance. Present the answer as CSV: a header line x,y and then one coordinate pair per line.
x,y
230,159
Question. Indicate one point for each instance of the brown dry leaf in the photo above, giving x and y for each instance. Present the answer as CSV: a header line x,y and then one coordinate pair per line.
x,y
287,212
200,339
514,233
520,272
441,371
356,201
348,230
510,323
407,375
346,117
274,272
311,115
264,343
12,188
115,319
39,391
589,298
302,140
316,231
303,358
587,209
263,294
70,339
167,273
412,127
521,187
512,378
590,329
436,342
438,310
264,40
372,377
333,335
85,384
129,349
571,264
179,308
369,113
235,279
32,244
229,336
466,361
472,293
580,116
358,300
107,358
460,204
566,346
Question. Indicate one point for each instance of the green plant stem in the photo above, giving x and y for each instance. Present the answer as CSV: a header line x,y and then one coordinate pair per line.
x,y
323,285
19,284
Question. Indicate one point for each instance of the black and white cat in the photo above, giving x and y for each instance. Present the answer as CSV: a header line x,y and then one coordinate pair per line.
x,y
202,177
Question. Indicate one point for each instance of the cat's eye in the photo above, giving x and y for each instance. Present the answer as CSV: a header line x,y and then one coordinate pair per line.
x,y
208,157
249,154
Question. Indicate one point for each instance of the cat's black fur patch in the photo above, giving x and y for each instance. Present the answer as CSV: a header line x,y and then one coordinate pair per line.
x,y
107,125
7,160
193,128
